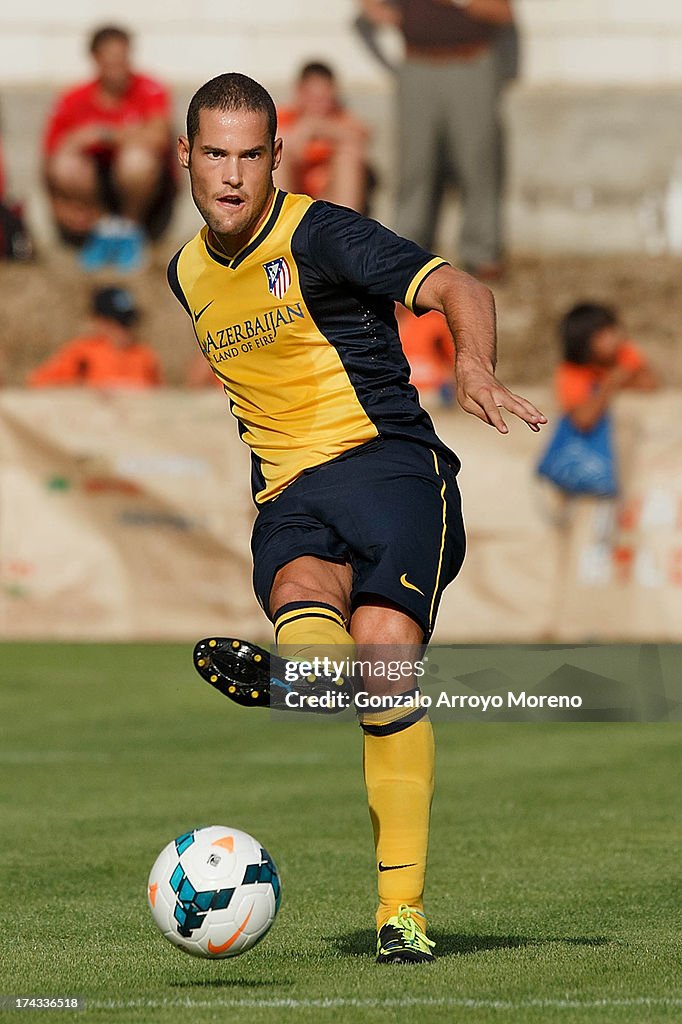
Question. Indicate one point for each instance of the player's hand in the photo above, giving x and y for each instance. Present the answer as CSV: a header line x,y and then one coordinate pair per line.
x,y
480,393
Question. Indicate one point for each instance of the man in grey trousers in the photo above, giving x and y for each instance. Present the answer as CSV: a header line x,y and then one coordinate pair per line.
x,y
448,94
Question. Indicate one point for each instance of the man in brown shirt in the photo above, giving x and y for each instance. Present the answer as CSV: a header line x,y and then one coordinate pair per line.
x,y
447,114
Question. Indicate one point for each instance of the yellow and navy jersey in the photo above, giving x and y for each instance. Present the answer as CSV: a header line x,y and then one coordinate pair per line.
x,y
299,327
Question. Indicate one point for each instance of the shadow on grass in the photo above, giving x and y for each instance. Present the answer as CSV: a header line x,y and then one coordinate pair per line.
x,y
233,982
362,942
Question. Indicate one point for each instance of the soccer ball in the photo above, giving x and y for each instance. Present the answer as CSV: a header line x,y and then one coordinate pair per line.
x,y
214,892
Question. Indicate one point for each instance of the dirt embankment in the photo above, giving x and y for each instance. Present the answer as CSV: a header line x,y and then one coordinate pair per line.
x,y
46,303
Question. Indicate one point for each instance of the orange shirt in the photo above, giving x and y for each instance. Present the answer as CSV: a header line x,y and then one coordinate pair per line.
x,y
575,383
314,172
94,361
429,348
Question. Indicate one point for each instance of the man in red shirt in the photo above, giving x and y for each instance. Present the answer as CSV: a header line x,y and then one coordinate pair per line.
x,y
108,355
107,153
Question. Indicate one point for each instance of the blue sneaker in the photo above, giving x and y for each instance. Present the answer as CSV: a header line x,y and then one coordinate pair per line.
x,y
98,250
129,249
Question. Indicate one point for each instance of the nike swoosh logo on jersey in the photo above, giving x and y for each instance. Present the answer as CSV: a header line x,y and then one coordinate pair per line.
x,y
410,586
395,867
197,316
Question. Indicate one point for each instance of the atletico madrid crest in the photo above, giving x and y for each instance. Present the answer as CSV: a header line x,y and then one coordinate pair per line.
x,y
278,275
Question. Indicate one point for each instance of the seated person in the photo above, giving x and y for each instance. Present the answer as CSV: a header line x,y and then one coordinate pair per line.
x,y
107,355
325,146
430,351
598,361
109,165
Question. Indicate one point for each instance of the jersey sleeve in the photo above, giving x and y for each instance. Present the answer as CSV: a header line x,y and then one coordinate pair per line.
x,y
348,248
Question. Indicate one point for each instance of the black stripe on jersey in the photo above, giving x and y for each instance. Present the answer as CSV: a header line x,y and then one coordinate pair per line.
x,y
234,261
359,321
174,281
416,309
258,483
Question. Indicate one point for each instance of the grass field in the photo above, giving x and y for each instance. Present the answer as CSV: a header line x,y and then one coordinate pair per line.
x,y
554,877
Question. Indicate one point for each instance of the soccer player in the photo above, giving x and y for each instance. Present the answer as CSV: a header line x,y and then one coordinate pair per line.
x,y
359,526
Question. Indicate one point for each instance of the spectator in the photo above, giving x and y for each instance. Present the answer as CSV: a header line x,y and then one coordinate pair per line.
x,y
448,94
599,360
430,351
325,146
108,354
109,165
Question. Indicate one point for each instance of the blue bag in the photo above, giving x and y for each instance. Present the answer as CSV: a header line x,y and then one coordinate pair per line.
x,y
581,461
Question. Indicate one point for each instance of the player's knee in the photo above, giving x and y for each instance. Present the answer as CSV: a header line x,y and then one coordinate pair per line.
x,y
385,624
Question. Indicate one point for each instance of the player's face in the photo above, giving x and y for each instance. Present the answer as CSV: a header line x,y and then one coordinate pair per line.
x,y
230,169
112,59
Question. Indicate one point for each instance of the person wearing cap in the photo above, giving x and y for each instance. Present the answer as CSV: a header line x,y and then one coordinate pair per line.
x,y
107,355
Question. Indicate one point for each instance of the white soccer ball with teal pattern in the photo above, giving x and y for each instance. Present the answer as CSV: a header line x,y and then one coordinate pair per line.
x,y
214,892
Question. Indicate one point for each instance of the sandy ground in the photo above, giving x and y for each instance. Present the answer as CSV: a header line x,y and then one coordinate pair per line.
x,y
46,302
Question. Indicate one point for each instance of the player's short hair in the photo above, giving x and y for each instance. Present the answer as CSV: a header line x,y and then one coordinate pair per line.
x,y
106,33
316,67
578,327
231,92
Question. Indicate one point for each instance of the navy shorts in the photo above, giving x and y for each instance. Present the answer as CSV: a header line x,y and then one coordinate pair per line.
x,y
390,508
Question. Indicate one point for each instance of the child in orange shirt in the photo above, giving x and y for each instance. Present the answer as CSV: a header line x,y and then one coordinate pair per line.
x,y
599,360
108,355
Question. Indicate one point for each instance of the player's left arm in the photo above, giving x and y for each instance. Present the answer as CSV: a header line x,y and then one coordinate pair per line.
x,y
469,308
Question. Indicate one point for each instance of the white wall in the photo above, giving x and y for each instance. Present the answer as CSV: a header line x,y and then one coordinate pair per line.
x,y
621,42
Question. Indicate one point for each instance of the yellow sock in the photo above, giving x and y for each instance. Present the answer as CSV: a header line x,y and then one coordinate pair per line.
x,y
399,778
398,764
304,628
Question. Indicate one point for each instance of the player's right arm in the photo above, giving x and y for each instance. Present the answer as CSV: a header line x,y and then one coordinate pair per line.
x,y
469,308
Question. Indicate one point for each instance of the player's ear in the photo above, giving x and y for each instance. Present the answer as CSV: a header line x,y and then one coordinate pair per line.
x,y
183,151
276,154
